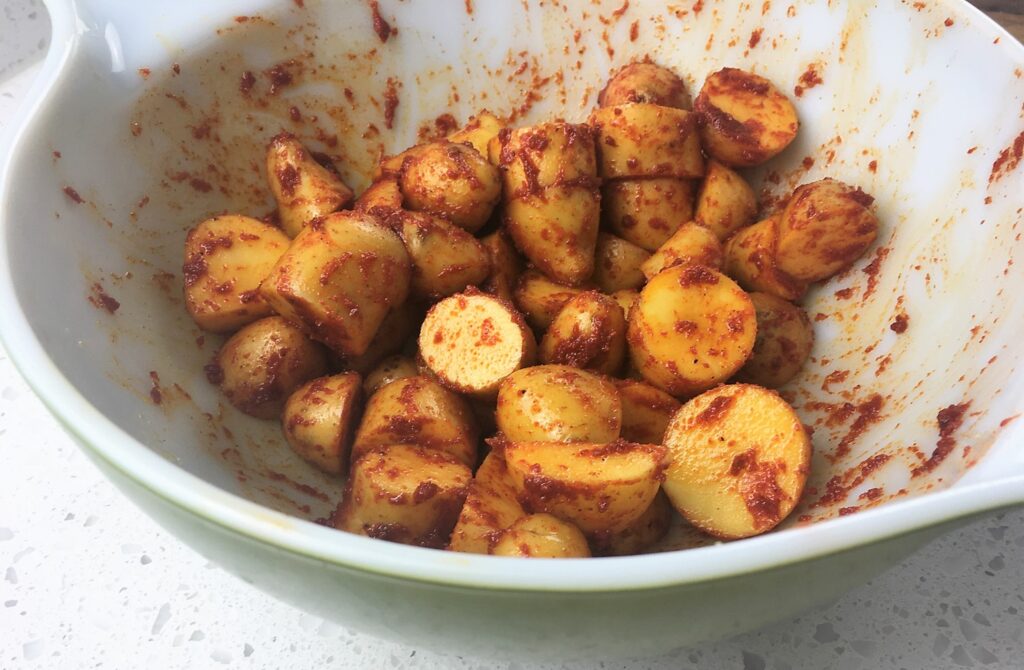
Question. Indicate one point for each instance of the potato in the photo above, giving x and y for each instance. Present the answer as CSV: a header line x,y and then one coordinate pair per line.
x,y
491,507
739,458
304,189
556,229
416,410
540,299
472,341
389,370
784,341
478,132
626,300
725,201
646,211
405,494
542,536
693,328
745,120
617,264
452,181
639,536
539,157
390,167
691,244
645,82
380,198
588,332
601,488
400,325
506,266
646,411
263,363
445,259
339,278
557,403
320,418
749,258
644,140
825,226
226,258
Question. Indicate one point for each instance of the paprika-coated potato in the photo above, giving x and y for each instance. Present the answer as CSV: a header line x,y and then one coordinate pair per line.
x,y
538,157
725,202
649,529
643,140
491,506
691,244
646,211
304,189
478,131
542,536
617,264
645,82
389,370
749,257
400,326
626,300
380,198
506,266
452,181
646,411
320,418
445,258
785,338
390,167
588,332
540,299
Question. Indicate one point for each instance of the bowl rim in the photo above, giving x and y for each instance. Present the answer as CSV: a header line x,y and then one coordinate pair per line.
x,y
230,513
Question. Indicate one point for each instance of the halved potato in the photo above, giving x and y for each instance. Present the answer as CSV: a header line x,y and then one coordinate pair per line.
x,y
617,264
739,458
304,189
745,120
557,403
380,198
640,535
472,341
320,418
445,258
491,506
693,328
749,258
542,536
645,82
389,370
540,299
691,244
588,332
646,411
725,202
226,258
400,326
452,181
506,266
785,337
646,211
406,494
538,157
644,140
626,300
478,131
597,487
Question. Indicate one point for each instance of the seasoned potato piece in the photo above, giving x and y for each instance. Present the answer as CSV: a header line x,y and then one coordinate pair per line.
x,y
404,494
506,266
645,82
588,332
557,403
691,244
540,299
399,327
389,370
320,418
626,300
640,535
643,140
472,341
784,341
617,264
725,202
556,229
263,363
646,211
380,198
390,167
692,328
745,120
445,259
646,411
416,410
339,278
491,506
478,131
739,458
598,487
452,181
542,536
749,258
304,189
550,154
226,258
825,227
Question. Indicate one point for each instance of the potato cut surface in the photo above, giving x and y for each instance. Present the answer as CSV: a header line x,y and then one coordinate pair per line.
x,y
540,299
304,189
725,201
588,332
452,181
542,536
646,211
617,264
749,258
645,82
320,418
690,244
645,140
491,506
646,411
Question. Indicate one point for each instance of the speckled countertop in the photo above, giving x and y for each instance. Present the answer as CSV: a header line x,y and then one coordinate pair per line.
x,y
89,581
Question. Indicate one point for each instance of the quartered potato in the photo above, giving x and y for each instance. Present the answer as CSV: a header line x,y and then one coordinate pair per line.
x,y
691,244
226,258
749,258
557,403
491,506
626,300
646,211
588,332
693,328
478,131
339,278
649,529
745,120
472,341
542,536
380,198
646,411
645,140
304,189
406,494
739,458
725,202
784,341
452,181
601,488
645,82
506,266
320,418
399,327
825,227
445,258
389,370
617,264
539,157
263,363
540,299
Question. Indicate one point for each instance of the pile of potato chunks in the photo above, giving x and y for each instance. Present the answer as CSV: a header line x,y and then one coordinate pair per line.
x,y
598,303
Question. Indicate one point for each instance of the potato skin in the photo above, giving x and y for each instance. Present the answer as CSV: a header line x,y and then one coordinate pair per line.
x,y
399,327
263,363
749,258
319,420
645,82
478,132
649,529
725,202
304,189
452,181
380,198
389,370
536,158
617,264
626,300
542,536
540,298
785,338
644,140
646,211
506,266
491,506
445,258
691,244
646,411
589,332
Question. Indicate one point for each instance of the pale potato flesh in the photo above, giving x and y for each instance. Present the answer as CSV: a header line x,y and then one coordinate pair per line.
x,y
540,299
617,264
725,202
749,258
588,332
645,140
452,181
646,411
785,338
319,420
491,506
304,189
691,244
646,211
542,536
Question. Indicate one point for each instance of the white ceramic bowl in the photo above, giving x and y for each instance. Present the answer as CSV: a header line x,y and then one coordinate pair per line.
x,y
916,106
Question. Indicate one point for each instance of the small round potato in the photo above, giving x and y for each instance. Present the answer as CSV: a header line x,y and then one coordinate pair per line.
x,y
745,120
691,244
491,506
539,157
556,229
390,167
646,211
626,300
542,536
506,266
643,140
304,189
640,535
646,411
693,328
380,198
478,131
824,228
320,418
784,341
389,370
557,403
588,332
617,264
749,258
739,458
645,82
540,299
452,181
725,202
263,363
445,258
